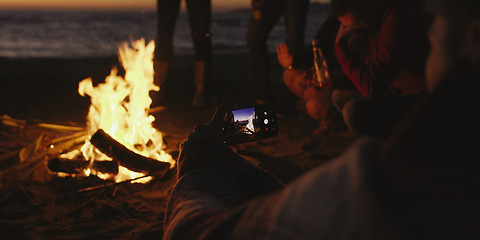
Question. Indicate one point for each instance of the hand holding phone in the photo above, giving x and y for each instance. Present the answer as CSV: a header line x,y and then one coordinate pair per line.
x,y
249,124
238,125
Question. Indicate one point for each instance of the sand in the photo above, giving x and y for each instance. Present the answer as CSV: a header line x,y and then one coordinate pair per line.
x,y
42,206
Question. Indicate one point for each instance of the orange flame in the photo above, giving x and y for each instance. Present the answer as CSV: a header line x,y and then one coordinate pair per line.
x,y
120,107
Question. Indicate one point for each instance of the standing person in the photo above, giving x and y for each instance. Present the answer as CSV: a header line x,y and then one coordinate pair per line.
x,y
391,74
199,14
265,14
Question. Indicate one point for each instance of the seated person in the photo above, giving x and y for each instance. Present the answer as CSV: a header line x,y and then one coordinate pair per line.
x,y
299,76
390,77
420,183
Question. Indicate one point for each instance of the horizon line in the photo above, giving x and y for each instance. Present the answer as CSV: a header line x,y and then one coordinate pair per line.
x,y
148,8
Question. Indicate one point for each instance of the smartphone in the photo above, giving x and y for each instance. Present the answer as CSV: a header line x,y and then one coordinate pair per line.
x,y
249,124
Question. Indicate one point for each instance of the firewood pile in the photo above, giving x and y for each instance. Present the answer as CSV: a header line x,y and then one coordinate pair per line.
x,y
38,204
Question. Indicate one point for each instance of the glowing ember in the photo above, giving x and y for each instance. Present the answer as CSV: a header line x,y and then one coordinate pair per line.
x,y
120,107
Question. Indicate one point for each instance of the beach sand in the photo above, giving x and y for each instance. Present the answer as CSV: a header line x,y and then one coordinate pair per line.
x,y
39,205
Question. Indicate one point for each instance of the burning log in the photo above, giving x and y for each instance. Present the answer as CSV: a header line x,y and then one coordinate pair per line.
x,y
125,157
36,157
76,166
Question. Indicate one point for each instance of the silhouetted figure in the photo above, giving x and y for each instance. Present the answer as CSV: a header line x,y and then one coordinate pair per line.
x,y
199,14
390,76
265,14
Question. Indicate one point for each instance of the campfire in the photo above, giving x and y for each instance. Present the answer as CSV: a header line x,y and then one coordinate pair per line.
x,y
119,122
120,142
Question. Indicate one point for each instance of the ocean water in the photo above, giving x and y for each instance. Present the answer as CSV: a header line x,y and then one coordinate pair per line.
x,y
35,34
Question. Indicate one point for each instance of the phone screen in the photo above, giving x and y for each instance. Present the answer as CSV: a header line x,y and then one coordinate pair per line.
x,y
246,120
251,124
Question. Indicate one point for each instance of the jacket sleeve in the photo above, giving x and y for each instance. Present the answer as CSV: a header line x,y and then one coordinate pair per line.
x,y
326,203
217,181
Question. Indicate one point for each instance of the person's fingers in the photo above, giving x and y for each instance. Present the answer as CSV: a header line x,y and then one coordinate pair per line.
x,y
219,116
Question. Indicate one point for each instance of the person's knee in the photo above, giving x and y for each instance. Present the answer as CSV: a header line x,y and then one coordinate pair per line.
x,y
317,107
313,110
202,45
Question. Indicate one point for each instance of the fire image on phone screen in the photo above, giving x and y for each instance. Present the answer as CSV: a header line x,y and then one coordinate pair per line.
x,y
245,120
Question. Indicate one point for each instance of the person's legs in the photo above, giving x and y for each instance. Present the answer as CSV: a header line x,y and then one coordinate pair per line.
x,y
167,12
258,32
295,12
376,117
199,14
200,17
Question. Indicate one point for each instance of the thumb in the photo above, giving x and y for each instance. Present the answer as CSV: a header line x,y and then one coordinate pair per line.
x,y
219,116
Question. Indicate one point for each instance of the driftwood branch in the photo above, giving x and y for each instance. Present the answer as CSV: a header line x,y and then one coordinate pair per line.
x,y
9,121
36,160
125,157
16,139
111,184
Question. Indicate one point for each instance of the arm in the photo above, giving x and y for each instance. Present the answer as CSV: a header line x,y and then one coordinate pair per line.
x,y
199,154
212,181
384,58
322,204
